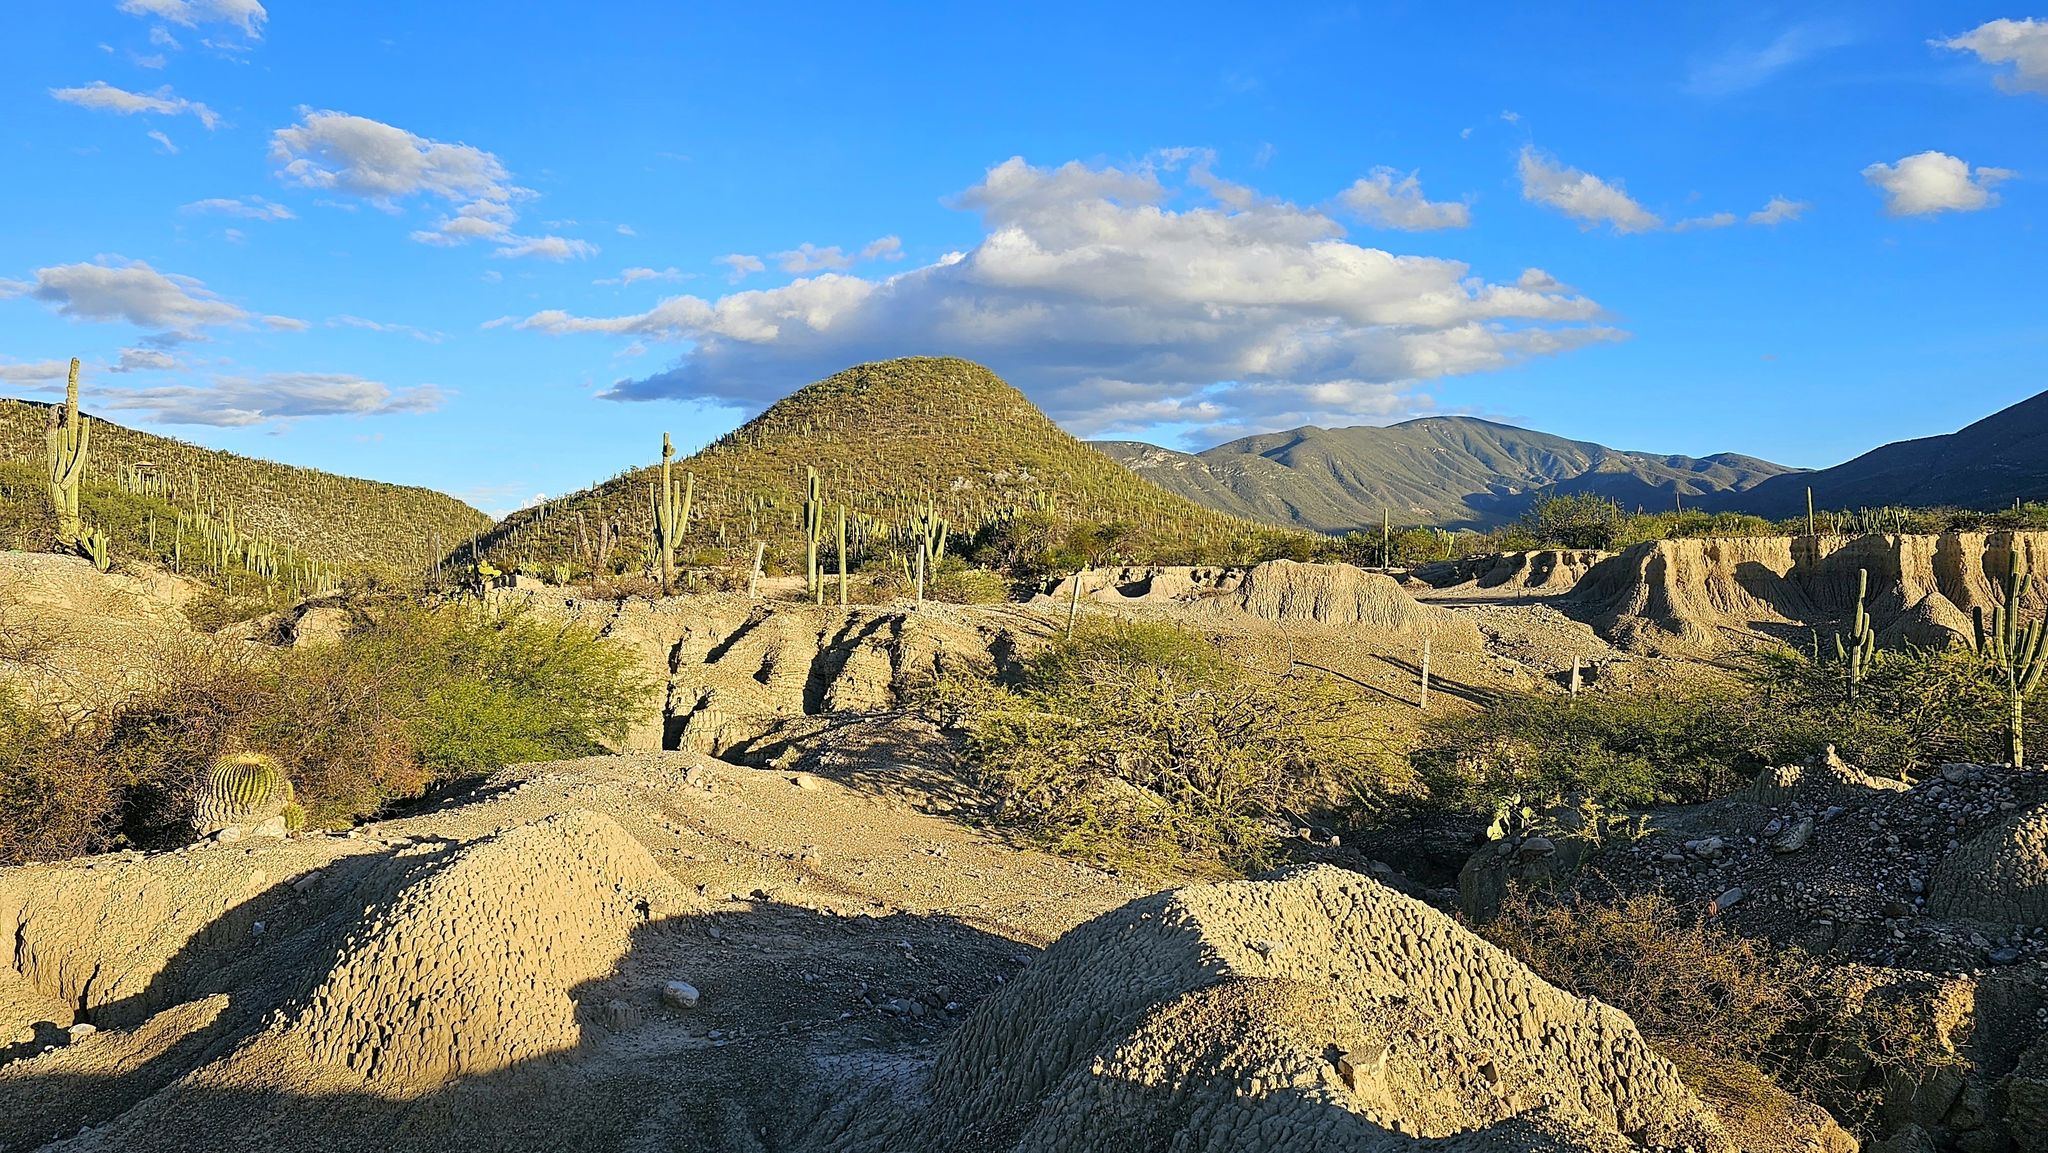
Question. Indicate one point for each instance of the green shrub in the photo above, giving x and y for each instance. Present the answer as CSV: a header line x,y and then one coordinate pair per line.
x,y
419,696
1577,520
1139,745
1618,749
970,586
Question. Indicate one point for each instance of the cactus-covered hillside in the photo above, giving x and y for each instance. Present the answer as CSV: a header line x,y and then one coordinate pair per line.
x,y
898,443
344,524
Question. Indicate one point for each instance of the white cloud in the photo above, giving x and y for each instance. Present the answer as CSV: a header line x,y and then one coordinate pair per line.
x,y
177,306
1696,223
883,248
1741,69
1582,196
145,360
1537,280
162,38
742,266
1388,199
246,15
808,257
1930,182
382,164
237,402
630,276
1779,210
34,372
101,96
627,230
556,248
387,166
1114,310
248,208
163,142
419,334
2020,43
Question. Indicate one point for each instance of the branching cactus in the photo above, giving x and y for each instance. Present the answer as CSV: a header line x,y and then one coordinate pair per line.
x,y
69,436
670,501
1861,652
2017,653
244,790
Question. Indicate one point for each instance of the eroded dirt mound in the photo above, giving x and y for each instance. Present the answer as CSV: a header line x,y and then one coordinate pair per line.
x,y
74,640
733,669
478,955
1710,596
1314,1009
2000,875
1538,572
1340,596
1143,583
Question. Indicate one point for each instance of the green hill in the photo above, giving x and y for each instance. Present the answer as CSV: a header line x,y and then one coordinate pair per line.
x,y
346,524
884,438
1987,465
1445,470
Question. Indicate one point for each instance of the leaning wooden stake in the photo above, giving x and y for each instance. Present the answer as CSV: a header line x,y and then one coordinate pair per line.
x,y
754,577
1424,703
1575,676
1074,602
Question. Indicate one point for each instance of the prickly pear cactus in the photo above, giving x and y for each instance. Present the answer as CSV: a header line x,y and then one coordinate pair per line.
x,y
244,791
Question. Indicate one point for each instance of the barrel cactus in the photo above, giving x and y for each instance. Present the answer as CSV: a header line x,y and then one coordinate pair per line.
x,y
245,791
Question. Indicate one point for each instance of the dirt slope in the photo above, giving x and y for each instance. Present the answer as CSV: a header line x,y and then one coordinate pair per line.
x,y
496,975
74,640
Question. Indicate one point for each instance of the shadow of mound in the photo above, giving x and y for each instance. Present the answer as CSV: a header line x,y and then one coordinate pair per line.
x,y
800,1011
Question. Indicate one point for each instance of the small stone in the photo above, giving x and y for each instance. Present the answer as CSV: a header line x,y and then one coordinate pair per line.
x,y
307,882
806,782
679,995
81,1031
1726,901
620,1016
273,828
227,836
2005,956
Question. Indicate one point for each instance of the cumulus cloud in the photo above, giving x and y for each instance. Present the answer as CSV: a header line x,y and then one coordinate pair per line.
x,y
1930,182
1388,199
1695,223
237,401
101,96
742,266
248,208
177,307
2020,43
1778,210
1115,311
163,142
388,166
39,373
246,15
1582,196
145,360
883,248
808,257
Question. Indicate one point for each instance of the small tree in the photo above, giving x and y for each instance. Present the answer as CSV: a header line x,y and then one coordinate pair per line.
x,y
1576,520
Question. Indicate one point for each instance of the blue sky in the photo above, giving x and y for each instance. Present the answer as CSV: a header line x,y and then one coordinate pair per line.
x,y
498,248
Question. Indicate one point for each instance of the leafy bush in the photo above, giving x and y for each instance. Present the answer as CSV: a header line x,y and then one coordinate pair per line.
x,y
418,697
970,586
1576,520
1140,745
1618,749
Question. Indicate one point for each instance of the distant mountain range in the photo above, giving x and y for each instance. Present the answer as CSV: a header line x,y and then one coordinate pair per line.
x,y
1454,471
1987,465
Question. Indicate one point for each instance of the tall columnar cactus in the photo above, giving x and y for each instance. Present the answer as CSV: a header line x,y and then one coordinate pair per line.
x,y
814,531
244,789
1861,651
842,556
69,436
930,532
670,501
2018,653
